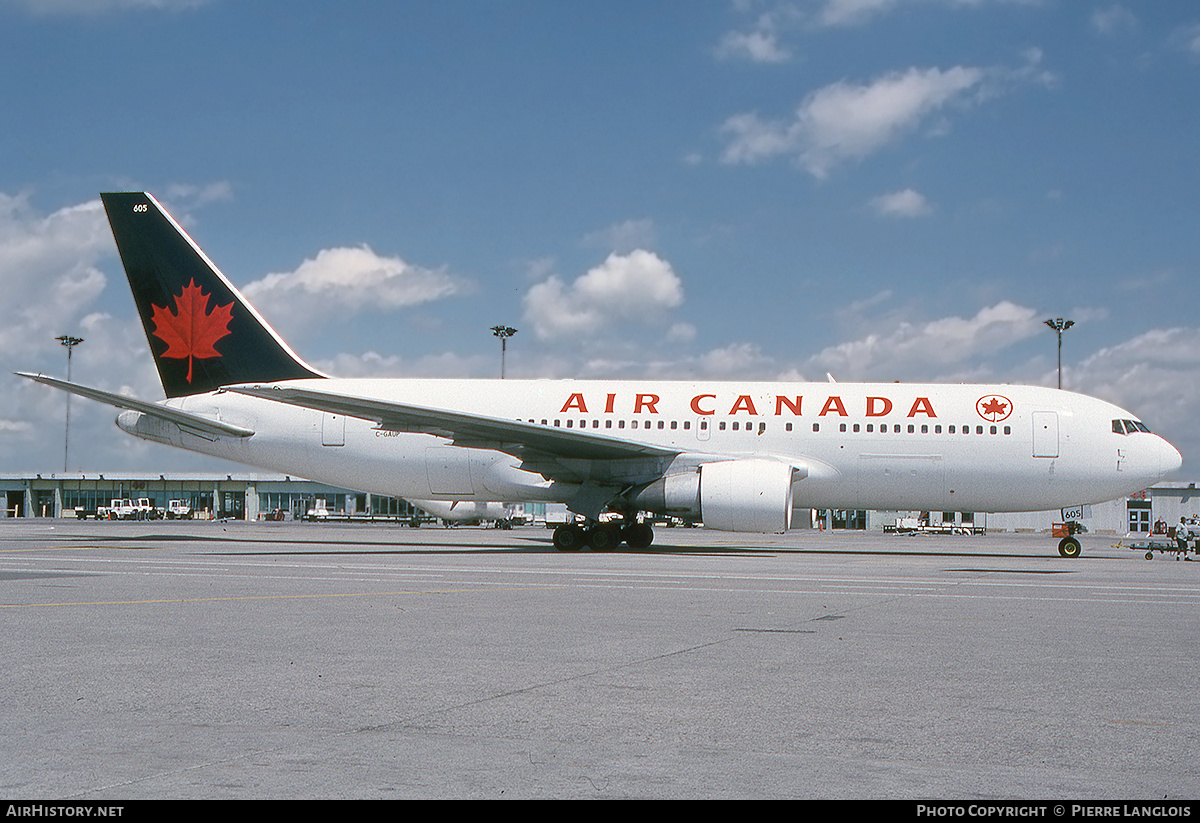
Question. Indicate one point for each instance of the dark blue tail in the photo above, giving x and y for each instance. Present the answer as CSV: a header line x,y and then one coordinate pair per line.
x,y
203,333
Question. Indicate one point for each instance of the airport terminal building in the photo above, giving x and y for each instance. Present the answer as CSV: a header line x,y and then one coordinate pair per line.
x,y
254,496
236,496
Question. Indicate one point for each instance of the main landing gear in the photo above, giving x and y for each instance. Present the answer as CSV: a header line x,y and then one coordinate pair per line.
x,y
602,537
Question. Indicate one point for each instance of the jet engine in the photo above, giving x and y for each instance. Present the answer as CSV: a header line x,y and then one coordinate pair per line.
x,y
753,495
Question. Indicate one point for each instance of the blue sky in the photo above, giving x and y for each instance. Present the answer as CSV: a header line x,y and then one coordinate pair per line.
x,y
877,189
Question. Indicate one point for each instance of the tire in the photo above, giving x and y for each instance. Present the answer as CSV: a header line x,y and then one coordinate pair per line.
x,y
1069,547
639,535
569,538
603,538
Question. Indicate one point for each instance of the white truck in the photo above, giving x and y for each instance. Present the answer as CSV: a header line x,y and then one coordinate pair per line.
x,y
125,508
178,510
317,511
119,508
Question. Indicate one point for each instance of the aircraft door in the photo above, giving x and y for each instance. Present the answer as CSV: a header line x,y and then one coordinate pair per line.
x,y
1045,434
333,429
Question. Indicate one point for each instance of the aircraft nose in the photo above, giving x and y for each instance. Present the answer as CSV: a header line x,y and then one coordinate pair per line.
x,y
1171,459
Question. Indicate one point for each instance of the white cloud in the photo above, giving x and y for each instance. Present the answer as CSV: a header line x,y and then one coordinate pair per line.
x,y
856,308
734,360
1145,370
852,12
624,237
1113,19
859,12
1156,376
343,281
761,43
446,365
923,350
758,46
638,286
904,203
48,270
198,195
1187,38
845,121
681,333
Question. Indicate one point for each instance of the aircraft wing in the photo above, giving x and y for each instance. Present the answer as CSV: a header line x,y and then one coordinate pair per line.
x,y
186,420
528,441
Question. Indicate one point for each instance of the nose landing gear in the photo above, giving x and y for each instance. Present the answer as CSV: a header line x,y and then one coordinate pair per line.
x,y
1070,547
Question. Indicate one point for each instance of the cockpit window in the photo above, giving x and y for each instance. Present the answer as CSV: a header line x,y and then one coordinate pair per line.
x,y
1129,427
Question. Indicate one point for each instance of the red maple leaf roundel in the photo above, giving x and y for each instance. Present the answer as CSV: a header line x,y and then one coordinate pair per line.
x,y
994,407
190,329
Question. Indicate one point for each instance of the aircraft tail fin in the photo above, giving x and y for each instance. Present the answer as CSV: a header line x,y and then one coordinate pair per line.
x,y
202,332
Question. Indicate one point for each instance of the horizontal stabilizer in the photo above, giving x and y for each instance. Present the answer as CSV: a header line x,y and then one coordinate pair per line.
x,y
186,420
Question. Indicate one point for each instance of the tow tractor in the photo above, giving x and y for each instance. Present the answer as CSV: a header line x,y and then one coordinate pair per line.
x,y
1152,546
1166,545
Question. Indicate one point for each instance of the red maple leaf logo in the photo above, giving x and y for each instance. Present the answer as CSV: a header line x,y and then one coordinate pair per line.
x,y
190,329
993,407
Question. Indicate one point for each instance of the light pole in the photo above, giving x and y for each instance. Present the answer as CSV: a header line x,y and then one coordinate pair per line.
x,y
1059,325
70,342
503,332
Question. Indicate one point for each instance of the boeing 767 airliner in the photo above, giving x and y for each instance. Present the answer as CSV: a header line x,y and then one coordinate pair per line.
x,y
738,456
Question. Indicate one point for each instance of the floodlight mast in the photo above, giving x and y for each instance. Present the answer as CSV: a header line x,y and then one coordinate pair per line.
x,y
503,332
1059,326
70,342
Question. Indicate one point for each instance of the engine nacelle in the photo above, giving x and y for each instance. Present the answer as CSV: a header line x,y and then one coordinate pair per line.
x,y
753,495
149,428
746,496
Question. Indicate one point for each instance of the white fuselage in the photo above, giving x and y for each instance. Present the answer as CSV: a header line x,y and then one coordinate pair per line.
x,y
861,446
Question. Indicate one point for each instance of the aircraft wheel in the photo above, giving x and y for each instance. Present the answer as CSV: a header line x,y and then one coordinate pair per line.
x,y
639,535
569,538
603,538
1069,547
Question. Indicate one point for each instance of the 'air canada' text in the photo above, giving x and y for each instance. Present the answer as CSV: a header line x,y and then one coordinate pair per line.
x,y
782,406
